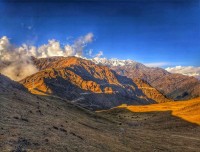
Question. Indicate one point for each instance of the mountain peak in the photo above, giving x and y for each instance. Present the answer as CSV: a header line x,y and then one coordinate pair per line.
x,y
113,61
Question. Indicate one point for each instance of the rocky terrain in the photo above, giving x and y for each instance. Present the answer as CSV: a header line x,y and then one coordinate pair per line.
x,y
91,85
47,123
174,86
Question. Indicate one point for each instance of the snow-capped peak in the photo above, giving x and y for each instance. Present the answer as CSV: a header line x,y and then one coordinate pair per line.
x,y
112,61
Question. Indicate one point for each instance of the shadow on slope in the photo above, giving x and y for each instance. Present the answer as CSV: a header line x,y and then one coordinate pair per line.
x,y
66,89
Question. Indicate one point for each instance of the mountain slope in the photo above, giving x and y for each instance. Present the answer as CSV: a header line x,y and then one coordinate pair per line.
x,y
91,85
187,110
8,85
174,86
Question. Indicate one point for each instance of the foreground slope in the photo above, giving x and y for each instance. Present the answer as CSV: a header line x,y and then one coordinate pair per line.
x,y
39,123
33,123
91,85
174,86
7,85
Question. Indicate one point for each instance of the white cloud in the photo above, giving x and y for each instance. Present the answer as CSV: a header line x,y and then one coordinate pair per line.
x,y
156,64
87,38
53,48
185,70
15,62
98,55
80,43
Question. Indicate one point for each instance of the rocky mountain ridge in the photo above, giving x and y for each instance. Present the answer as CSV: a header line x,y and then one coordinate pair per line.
x,y
174,86
89,84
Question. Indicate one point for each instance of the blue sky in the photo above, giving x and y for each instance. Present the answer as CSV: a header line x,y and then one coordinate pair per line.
x,y
166,32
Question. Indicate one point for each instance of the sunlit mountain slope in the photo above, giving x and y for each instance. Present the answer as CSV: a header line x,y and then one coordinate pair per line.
x,y
187,110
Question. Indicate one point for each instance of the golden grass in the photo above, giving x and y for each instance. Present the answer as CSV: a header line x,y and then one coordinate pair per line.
x,y
38,92
187,110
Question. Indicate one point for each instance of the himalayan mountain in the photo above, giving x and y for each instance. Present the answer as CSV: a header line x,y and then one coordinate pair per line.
x,y
88,84
174,86
102,84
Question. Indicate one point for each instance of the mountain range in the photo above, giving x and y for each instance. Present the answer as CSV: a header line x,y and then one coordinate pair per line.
x,y
173,86
100,83
91,85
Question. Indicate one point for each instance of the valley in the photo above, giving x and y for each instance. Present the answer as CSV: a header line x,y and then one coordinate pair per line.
x,y
50,124
47,123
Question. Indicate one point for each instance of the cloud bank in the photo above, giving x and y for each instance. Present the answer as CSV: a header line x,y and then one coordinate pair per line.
x,y
15,62
185,70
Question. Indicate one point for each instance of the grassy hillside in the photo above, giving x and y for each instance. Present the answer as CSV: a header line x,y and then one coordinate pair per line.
x,y
187,110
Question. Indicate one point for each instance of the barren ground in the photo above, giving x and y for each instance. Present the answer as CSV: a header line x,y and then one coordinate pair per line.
x,y
32,123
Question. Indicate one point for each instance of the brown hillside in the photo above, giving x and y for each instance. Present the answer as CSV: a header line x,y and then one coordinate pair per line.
x,y
174,86
81,80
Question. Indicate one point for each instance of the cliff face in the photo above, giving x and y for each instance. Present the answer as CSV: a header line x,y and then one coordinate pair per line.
x,y
88,84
